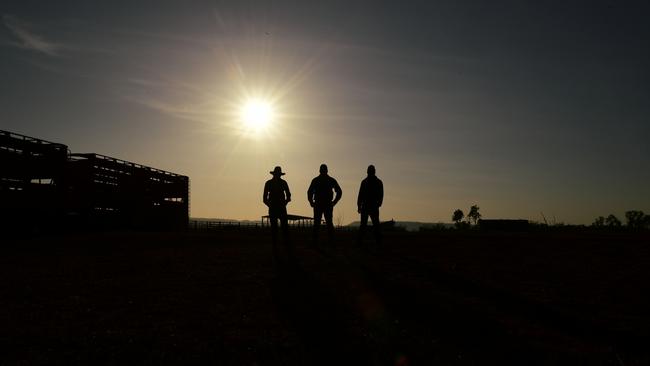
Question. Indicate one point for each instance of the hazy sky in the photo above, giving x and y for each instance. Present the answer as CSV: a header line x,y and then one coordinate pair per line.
x,y
519,108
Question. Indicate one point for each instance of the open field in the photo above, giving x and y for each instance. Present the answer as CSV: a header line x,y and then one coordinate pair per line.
x,y
440,298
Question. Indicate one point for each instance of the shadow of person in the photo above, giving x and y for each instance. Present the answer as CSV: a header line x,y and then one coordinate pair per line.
x,y
311,310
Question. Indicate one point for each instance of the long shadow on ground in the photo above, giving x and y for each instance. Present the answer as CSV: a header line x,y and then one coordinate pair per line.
x,y
449,309
313,312
438,329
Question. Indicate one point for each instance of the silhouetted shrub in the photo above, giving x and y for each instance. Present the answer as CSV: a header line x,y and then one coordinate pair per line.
x,y
599,222
473,214
458,216
636,220
612,221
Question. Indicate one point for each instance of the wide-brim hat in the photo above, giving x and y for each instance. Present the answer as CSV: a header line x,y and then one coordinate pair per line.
x,y
277,171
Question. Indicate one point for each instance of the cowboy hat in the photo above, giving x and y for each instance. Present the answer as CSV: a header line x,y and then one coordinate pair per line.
x,y
277,170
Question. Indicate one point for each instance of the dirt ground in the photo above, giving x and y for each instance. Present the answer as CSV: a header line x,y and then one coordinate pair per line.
x,y
438,298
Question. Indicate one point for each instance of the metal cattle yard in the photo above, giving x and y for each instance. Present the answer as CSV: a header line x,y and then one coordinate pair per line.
x,y
43,185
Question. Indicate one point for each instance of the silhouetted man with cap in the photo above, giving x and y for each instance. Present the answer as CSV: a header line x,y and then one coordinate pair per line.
x,y
371,196
321,197
276,197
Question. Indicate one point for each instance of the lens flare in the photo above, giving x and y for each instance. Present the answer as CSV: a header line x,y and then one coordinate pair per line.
x,y
257,114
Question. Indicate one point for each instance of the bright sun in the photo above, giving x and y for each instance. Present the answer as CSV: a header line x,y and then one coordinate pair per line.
x,y
257,114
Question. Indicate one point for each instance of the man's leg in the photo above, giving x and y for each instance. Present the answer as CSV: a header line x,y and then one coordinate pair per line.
x,y
318,213
285,234
273,219
362,226
376,225
328,221
284,222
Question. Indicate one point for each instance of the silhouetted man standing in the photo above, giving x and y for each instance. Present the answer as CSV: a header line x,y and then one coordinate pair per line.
x,y
321,197
371,196
276,197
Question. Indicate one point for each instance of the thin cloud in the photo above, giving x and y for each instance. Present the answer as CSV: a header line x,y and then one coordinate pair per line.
x,y
192,113
27,39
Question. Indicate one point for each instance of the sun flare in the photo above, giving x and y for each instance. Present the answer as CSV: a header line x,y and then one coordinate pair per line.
x,y
256,114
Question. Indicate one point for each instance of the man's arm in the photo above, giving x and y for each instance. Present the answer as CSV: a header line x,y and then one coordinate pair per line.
x,y
265,195
338,191
287,192
362,192
381,193
310,193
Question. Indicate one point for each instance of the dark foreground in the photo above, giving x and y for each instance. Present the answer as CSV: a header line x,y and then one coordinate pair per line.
x,y
219,298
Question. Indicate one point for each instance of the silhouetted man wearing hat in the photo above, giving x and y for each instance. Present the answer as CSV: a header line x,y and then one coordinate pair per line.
x,y
321,197
371,196
276,196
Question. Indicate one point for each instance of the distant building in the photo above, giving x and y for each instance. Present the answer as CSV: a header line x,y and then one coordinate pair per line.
x,y
32,181
114,192
294,220
42,184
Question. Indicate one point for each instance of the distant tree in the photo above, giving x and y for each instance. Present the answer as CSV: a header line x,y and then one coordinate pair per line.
x,y
458,216
635,219
599,222
473,214
612,221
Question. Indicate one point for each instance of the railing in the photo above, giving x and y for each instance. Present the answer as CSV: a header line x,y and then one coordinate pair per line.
x,y
18,136
122,163
219,224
